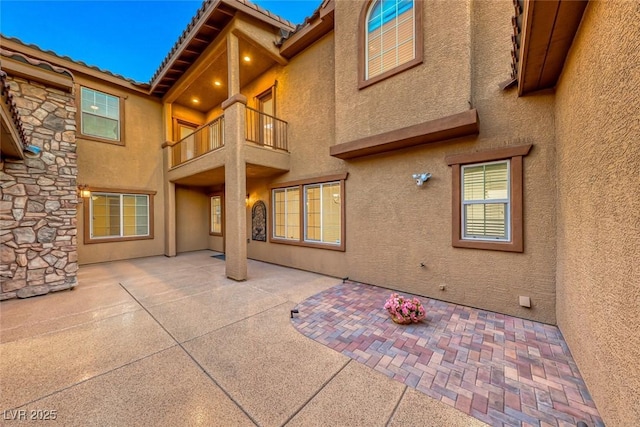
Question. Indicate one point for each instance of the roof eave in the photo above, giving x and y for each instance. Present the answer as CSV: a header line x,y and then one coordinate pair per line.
x,y
317,26
548,31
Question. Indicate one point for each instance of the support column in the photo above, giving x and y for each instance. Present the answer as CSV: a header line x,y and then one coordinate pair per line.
x,y
169,187
235,176
170,219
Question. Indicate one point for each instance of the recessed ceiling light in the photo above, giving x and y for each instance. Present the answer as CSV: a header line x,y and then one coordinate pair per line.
x,y
247,58
195,100
217,83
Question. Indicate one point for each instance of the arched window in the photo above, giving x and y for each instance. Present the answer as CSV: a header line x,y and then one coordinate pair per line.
x,y
392,38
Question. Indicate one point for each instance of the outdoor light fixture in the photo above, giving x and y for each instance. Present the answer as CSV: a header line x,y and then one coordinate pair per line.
x,y
247,200
247,58
217,83
32,149
83,191
421,178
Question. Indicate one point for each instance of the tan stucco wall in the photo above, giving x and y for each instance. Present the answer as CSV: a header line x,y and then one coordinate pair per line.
x,y
192,216
392,225
305,99
439,87
598,155
188,114
135,166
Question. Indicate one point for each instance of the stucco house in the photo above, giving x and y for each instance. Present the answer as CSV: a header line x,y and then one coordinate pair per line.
x,y
480,152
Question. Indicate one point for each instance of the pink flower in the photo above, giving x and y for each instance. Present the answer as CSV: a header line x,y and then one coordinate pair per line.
x,y
403,308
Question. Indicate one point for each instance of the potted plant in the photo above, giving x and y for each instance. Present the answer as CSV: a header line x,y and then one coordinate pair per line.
x,y
404,310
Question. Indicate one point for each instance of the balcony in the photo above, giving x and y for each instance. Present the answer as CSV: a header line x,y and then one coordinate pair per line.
x,y
198,158
205,139
265,130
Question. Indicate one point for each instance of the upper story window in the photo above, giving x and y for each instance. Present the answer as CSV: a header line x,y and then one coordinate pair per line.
x,y
100,115
391,39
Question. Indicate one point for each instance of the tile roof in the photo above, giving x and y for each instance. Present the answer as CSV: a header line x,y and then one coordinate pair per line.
x,y
33,61
7,98
206,4
75,61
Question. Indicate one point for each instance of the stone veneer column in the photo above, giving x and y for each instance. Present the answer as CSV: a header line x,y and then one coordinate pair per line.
x,y
38,198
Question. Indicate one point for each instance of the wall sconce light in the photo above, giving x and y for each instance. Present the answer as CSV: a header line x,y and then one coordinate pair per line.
x,y
247,200
32,149
421,178
83,191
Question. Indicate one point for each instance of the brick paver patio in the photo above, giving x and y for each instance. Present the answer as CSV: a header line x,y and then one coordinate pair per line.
x,y
500,369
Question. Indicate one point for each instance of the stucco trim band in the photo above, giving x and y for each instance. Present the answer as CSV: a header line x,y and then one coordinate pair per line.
x,y
442,129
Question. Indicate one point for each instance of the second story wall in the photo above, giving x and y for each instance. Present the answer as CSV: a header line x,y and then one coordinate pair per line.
x,y
129,164
437,87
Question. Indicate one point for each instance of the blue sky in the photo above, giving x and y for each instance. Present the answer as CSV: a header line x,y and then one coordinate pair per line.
x,y
127,37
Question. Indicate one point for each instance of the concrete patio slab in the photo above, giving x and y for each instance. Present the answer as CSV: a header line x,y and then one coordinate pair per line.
x,y
356,396
418,408
268,368
36,316
35,367
165,388
196,315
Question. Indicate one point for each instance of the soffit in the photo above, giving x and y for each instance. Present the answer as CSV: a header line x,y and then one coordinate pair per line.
x,y
216,176
211,95
544,33
208,23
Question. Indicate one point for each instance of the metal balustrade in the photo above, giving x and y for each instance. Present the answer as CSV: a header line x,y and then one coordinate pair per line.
x,y
205,139
266,130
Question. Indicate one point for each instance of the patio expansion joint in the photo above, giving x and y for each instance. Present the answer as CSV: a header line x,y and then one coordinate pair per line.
x,y
92,378
231,324
292,416
67,327
395,408
244,411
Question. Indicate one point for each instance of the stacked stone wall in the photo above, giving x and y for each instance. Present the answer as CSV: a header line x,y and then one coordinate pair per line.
x,y
38,196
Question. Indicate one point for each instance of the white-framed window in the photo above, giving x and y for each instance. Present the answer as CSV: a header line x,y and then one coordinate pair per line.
x,y
486,201
114,216
100,115
216,215
390,36
286,213
323,216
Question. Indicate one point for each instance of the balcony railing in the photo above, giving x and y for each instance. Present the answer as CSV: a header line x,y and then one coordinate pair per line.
x,y
266,130
206,138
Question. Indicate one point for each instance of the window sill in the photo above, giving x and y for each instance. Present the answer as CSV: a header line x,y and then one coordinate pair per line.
x,y
98,139
363,83
116,239
492,246
339,248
